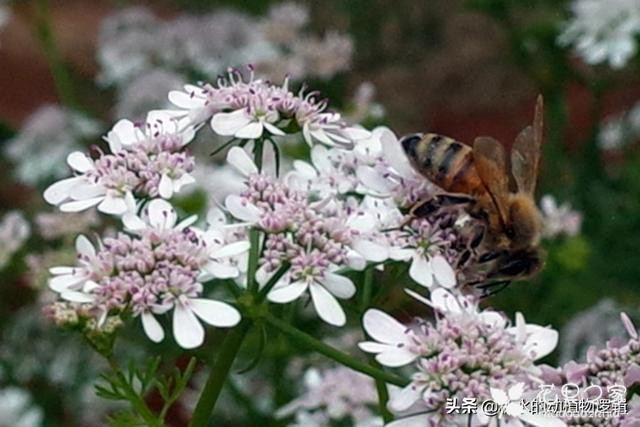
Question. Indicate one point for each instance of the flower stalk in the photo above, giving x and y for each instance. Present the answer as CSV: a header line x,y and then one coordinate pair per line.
x,y
218,375
299,337
381,387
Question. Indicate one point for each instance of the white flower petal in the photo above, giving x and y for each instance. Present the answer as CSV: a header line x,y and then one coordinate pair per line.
x,y
541,341
374,347
396,357
243,211
64,283
394,154
405,398
58,192
133,222
185,100
252,130
161,214
112,205
287,293
84,246
384,328
273,129
56,271
80,205
227,124
371,251
372,179
220,270
79,162
240,160
152,327
187,330
74,296
340,286
215,313
123,133
444,274
165,187
86,190
183,181
420,271
327,306
232,249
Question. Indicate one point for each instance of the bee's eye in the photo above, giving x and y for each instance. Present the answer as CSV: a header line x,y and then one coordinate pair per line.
x,y
409,144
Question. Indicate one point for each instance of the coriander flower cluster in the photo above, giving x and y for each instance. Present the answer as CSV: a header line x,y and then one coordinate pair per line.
x,y
313,238
250,108
464,352
146,161
154,268
612,369
603,31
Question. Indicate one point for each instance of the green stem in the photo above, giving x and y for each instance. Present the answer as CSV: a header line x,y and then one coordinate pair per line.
x,y
254,255
258,148
218,375
59,72
381,387
272,281
310,342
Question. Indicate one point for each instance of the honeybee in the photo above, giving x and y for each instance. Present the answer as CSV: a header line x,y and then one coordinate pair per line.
x,y
502,196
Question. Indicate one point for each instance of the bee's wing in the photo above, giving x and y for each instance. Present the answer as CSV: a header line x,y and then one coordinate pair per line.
x,y
490,161
525,153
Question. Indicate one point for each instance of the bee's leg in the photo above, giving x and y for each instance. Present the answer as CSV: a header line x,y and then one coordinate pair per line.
x,y
439,201
464,258
492,288
518,265
491,255
475,241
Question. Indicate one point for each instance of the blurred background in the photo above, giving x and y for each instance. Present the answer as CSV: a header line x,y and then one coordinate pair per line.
x,y
70,68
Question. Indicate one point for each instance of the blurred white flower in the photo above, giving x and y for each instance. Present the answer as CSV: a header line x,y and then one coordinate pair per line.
x,y
14,231
329,396
5,13
53,225
44,140
558,220
17,410
603,30
619,130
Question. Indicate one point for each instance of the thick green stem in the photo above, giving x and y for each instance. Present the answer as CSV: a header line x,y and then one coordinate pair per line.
x,y
218,375
381,387
254,256
308,341
59,72
258,149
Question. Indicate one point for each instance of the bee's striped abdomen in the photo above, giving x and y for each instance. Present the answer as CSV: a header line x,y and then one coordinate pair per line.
x,y
444,161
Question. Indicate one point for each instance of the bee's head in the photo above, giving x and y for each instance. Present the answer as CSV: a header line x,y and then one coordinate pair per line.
x,y
410,143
